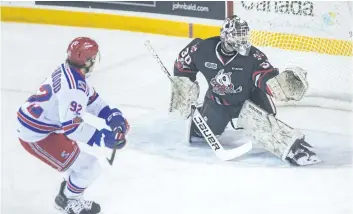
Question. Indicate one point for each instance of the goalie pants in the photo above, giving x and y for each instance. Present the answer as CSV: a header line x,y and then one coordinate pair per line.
x,y
58,151
218,116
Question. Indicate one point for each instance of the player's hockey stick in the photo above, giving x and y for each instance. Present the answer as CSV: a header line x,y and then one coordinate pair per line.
x,y
112,157
201,124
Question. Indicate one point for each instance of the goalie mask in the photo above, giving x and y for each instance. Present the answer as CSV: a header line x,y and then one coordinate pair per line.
x,y
235,35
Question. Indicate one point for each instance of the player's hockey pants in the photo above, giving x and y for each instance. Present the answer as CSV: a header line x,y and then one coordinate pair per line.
x,y
64,155
218,116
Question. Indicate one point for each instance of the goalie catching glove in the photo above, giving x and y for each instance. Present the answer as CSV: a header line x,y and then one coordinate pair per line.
x,y
184,94
291,84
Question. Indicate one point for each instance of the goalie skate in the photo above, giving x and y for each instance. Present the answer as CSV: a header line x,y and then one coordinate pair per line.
x,y
301,155
74,206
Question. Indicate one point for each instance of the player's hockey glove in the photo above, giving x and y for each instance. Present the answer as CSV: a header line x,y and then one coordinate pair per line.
x,y
119,126
114,139
115,120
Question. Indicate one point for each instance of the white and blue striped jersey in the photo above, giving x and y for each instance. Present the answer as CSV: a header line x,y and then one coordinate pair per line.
x,y
58,106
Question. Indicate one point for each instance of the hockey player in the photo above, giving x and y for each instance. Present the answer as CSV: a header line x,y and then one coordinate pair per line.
x,y
50,125
237,72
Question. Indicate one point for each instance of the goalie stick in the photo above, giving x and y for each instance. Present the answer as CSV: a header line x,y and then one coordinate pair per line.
x,y
201,124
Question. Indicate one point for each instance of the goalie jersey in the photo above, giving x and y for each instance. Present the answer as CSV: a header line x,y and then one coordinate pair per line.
x,y
231,79
58,107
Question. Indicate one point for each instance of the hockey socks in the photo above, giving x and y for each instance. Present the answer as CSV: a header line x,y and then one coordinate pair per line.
x,y
72,190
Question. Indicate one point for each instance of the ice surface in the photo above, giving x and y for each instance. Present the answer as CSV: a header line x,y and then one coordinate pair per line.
x,y
157,172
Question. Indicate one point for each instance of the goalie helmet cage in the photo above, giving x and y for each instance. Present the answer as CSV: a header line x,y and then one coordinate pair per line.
x,y
316,36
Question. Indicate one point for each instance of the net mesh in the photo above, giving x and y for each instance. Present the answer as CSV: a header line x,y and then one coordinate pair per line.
x,y
301,43
320,46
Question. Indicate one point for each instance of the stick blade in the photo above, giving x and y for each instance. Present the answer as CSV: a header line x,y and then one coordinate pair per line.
x,y
230,154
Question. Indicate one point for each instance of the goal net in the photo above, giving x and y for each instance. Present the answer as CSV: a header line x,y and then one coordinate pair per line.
x,y
316,36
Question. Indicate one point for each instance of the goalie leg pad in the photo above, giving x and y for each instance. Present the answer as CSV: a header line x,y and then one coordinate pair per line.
x,y
274,135
266,130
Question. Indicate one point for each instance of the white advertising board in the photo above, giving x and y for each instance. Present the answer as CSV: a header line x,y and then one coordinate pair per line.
x,y
327,19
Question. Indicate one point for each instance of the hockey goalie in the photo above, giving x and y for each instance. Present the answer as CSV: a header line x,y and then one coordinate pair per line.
x,y
241,84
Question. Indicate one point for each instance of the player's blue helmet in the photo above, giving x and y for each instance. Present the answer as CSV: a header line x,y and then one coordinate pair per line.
x,y
235,35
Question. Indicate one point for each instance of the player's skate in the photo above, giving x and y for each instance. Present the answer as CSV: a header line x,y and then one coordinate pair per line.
x,y
74,206
301,154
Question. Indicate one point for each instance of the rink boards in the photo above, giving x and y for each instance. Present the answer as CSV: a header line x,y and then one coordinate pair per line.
x,y
321,31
